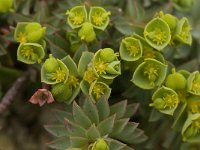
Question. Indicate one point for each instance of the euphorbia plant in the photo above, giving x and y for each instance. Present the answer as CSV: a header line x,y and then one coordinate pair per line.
x,y
87,57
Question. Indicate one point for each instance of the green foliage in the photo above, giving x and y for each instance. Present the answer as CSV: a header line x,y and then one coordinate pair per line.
x,y
100,52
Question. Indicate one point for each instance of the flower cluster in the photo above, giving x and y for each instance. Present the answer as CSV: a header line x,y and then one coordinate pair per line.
x,y
98,71
30,35
97,18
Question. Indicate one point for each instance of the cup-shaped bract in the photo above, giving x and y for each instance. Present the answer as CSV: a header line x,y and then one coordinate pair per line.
x,y
182,32
193,83
191,129
105,69
5,5
99,17
131,49
100,144
58,74
29,32
165,100
157,33
76,16
148,51
30,53
193,104
149,74
86,33
99,89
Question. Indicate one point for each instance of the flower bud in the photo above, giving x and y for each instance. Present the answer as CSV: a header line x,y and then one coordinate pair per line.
x,y
183,5
107,55
51,64
34,31
61,92
176,81
86,33
5,5
100,144
158,103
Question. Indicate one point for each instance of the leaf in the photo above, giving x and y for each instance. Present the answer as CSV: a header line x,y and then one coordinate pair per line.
x,y
60,144
115,145
106,126
131,110
2,50
93,133
78,141
74,129
57,130
79,52
119,109
80,117
61,115
69,62
124,26
84,61
103,108
91,110
119,126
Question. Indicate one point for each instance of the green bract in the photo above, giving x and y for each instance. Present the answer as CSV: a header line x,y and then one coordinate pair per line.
x,y
176,81
165,100
76,16
5,5
99,89
193,104
100,144
193,83
99,17
59,74
149,74
191,129
171,21
105,69
30,53
148,51
86,33
182,32
131,49
29,32
157,33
